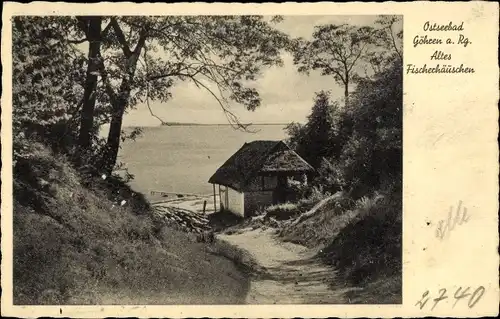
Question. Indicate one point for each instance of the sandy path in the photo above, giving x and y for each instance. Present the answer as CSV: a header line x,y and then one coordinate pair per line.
x,y
293,276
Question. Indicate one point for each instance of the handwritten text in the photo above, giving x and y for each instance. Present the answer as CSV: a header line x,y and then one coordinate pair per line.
x,y
445,226
472,297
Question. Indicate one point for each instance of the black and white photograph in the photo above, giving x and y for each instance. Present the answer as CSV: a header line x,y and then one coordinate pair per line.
x,y
207,159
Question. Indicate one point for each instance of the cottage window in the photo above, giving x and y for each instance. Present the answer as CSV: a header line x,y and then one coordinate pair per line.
x,y
269,182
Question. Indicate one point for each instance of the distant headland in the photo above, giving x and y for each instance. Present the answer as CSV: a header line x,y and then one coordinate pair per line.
x,y
215,124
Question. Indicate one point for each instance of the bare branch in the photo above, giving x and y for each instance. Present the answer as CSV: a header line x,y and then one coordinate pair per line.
x,y
231,117
356,59
335,71
394,42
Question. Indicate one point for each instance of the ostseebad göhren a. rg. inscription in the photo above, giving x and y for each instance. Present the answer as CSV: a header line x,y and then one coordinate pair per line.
x,y
439,37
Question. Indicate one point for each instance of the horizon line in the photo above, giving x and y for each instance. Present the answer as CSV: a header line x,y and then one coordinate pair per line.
x,y
202,124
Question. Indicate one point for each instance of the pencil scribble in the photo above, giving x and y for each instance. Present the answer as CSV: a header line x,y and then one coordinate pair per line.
x,y
446,226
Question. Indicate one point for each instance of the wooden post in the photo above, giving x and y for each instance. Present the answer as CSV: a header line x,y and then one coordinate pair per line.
x,y
204,206
215,201
227,198
220,201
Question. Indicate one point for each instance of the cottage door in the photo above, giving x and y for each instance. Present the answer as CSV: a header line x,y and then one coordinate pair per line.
x,y
280,191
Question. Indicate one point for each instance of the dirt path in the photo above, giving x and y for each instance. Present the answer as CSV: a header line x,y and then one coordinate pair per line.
x,y
293,276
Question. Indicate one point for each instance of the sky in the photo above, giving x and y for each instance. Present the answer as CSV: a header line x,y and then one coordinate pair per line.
x,y
287,96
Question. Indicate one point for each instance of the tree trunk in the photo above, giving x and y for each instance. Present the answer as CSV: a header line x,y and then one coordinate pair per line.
x,y
113,143
89,98
346,92
121,100
115,128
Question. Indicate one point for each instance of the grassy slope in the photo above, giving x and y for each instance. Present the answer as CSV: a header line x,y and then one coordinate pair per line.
x,y
363,243
322,223
80,247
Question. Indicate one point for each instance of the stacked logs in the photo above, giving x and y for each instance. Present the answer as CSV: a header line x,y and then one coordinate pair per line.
x,y
186,220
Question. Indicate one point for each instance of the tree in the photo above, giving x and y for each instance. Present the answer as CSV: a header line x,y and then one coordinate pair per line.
x,y
335,50
387,36
142,57
91,27
358,149
372,156
316,139
388,41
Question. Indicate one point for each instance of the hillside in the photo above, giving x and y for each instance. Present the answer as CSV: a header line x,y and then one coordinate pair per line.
x,y
361,240
96,243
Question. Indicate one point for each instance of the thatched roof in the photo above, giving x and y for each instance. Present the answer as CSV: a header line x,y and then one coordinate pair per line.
x,y
257,158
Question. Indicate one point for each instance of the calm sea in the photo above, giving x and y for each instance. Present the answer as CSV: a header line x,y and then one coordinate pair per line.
x,y
182,158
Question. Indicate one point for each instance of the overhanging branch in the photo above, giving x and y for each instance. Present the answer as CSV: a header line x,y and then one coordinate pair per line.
x,y
147,89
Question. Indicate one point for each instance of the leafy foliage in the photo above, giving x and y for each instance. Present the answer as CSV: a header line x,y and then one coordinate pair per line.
x,y
227,51
316,139
373,154
356,148
335,50
46,71
344,51
143,57
131,60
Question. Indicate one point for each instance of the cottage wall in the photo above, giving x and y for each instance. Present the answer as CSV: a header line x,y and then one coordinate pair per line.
x,y
232,200
253,201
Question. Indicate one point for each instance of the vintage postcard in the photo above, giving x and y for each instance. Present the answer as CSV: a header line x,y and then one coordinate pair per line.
x,y
250,160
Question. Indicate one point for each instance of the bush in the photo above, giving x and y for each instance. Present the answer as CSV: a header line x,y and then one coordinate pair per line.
x,y
369,246
317,226
315,195
299,188
282,211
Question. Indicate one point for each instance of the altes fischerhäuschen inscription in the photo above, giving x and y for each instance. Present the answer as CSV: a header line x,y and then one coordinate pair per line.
x,y
439,36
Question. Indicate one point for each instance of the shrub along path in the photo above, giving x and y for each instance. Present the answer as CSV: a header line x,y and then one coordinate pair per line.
x,y
293,275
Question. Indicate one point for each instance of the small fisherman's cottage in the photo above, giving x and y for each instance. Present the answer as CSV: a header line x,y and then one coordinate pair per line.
x,y
257,176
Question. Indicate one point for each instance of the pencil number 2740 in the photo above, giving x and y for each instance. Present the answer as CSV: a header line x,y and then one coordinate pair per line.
x,y
472,297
